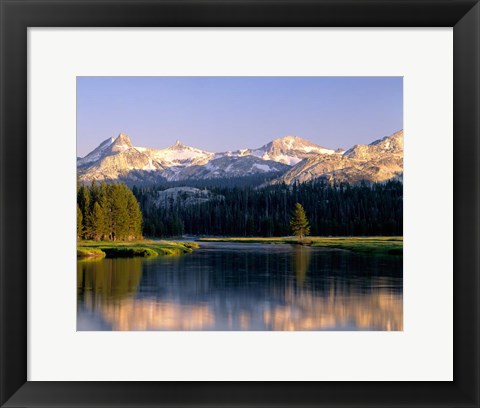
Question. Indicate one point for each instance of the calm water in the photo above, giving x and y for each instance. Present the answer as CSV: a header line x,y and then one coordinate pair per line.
x,y
243,287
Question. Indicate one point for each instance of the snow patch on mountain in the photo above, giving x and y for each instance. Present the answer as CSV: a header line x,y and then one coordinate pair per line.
x,y
149,166
296,159
378,161
178,155
97,153
290,150
263,167
228,167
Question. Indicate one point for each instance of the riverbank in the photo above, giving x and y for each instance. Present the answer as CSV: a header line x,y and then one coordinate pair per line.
x,y
130,249
368,245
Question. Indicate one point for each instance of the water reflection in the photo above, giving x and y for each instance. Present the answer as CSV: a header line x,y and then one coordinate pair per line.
x,y
107,280
243,287
301,262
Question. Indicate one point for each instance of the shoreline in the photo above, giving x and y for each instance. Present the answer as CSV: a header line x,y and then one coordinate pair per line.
x,y
90,250
93,250
365,245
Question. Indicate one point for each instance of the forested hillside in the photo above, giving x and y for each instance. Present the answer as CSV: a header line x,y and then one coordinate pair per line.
x,y
337,210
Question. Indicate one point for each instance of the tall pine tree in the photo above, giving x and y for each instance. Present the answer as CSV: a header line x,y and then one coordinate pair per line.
x,y
97,222
79,223
134,218
299,222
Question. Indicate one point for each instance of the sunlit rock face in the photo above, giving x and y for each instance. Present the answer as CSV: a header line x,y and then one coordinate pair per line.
x,y
113,159
290,150
379,161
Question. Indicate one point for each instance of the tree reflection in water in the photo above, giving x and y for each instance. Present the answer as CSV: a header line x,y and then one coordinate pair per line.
x,y
234,288
107,280
301,262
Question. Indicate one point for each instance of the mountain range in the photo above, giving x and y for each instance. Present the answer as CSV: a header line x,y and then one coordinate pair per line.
x,y
288,159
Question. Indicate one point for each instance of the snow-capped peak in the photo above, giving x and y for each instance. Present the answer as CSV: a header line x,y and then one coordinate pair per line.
x,y
97,153
122,142
178,155
107,142
289,150
288,141
179,145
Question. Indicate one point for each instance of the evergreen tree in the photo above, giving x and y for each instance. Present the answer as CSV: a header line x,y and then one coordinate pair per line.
x,y
119,213
299,222
79,223
83,201
96,222
94,194
134,218
104,204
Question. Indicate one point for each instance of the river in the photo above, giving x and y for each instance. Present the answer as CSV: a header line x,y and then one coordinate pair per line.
x,y
234,286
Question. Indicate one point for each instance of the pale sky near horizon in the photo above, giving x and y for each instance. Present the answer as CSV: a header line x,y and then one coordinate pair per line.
x,y
229,113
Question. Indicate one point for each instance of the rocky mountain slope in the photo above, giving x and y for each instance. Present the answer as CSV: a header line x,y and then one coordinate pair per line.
x,y
287,150
379,161
227,167
115,158
185,195
178,155
289,159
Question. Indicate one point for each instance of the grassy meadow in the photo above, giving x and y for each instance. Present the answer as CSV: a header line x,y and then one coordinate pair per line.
x,y
129,249
149,248
367,245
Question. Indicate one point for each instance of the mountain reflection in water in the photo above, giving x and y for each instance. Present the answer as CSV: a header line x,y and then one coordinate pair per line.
x,y
243,287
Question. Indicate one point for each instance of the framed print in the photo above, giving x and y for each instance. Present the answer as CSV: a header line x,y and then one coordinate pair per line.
x,y
238,268
276,203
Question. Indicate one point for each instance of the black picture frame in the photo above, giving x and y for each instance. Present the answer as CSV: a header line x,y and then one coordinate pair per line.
x,y
18,15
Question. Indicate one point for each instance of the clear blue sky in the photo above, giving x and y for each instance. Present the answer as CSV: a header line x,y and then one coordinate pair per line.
x,y
228,113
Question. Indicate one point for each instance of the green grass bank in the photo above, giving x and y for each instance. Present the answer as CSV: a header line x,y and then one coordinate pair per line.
x,y
122,249
367,245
